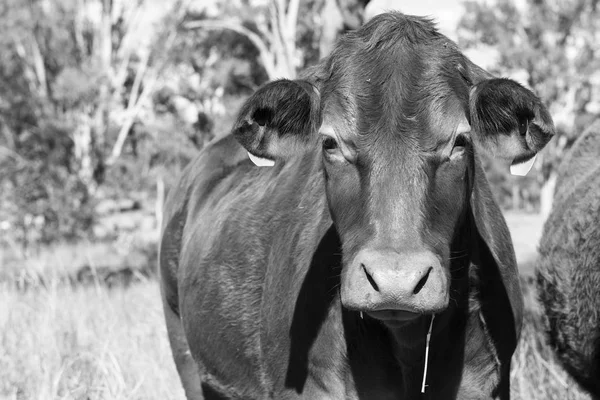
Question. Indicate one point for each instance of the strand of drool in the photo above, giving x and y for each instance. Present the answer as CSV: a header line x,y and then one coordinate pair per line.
x,y
427,354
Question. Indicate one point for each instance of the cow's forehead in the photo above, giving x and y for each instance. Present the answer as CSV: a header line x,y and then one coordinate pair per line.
x,y
397,75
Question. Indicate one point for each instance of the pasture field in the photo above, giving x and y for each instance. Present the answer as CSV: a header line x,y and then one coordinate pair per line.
x,y
64,342
90,342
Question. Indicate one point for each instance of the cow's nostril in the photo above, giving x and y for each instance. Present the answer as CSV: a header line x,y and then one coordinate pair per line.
x,y
370,278
422,281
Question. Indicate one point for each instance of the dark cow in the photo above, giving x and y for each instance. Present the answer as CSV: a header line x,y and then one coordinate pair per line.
x,y
318,278
568,270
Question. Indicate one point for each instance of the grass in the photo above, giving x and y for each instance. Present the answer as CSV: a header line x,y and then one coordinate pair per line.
x,y
66,342
69,342
65,259
85,343
536,373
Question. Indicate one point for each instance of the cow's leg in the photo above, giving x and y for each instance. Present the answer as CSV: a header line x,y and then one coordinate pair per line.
x,y
186,366
484,375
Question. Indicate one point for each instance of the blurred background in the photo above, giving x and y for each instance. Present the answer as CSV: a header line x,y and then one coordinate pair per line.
x,y
104,102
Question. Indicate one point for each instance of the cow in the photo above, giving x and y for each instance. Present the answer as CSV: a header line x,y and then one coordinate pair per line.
x,y
568,268
369,260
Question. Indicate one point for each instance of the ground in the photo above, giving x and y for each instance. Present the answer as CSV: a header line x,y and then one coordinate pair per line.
x,y
85,343
70,342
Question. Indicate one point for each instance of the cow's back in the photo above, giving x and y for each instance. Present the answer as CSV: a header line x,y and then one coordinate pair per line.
x,y
568,271
197,176
581,161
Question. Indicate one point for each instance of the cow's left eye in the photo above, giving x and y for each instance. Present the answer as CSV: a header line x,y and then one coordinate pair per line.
x,y
523,126
329,144
460,143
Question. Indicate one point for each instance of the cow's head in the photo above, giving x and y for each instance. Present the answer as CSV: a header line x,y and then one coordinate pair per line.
x,y
398,114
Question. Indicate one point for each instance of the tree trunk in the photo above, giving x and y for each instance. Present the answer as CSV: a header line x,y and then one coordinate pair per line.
x,y
331,26
102,114
547,195
160,201
516,197
338,17
83,150
353,13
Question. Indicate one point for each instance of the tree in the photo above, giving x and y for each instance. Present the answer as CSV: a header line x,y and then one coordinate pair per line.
x,y
103,98
74,77
553,46
337,17
276,30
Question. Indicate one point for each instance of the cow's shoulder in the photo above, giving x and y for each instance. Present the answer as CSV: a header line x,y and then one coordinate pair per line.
x,y
579,163
244,225
186,197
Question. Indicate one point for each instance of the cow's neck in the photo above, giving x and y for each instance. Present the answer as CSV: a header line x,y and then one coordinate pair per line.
x,y
409,341
393,358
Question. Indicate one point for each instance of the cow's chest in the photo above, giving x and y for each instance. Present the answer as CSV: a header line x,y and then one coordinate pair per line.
x,y
337,380
332,363
362,363
336,360
372,379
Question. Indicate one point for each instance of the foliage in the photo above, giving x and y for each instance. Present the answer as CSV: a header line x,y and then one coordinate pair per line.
x,y
553,42
94,108
73,84
43,198
288,34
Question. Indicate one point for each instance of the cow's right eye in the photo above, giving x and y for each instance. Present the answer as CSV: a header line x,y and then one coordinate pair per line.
x,y
329,144
460,143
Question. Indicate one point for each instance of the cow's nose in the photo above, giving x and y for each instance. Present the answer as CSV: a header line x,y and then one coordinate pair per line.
x,y
406,283
388,281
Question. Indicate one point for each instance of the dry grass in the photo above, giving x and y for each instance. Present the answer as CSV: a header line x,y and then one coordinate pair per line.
x,y
92,343
85,343
536,373
63,342
64,259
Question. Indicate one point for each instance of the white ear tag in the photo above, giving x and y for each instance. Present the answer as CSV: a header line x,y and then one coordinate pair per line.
x,y
523,168
261,162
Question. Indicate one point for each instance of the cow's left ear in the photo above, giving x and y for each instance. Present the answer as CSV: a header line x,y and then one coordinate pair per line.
x,y
508,121
493,254
279,120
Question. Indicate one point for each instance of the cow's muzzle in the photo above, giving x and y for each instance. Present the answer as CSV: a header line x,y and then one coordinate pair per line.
x,y
393,286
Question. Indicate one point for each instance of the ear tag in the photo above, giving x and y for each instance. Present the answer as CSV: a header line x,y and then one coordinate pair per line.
x,y
261,162
522,169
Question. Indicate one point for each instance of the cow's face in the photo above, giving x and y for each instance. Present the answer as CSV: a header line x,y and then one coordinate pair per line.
x,y
397,126
397,193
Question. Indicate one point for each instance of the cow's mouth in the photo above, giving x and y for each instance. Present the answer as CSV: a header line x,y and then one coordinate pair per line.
x,y
394,316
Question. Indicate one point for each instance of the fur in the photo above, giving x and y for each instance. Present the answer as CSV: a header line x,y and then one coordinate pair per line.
x,y
252,259
568,270
502,108
282,108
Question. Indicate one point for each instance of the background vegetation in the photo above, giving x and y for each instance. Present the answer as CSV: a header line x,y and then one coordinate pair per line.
x,y
103,102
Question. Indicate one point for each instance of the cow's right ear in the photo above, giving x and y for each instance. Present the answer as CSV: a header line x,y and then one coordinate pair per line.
x,y
509,121
279,120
